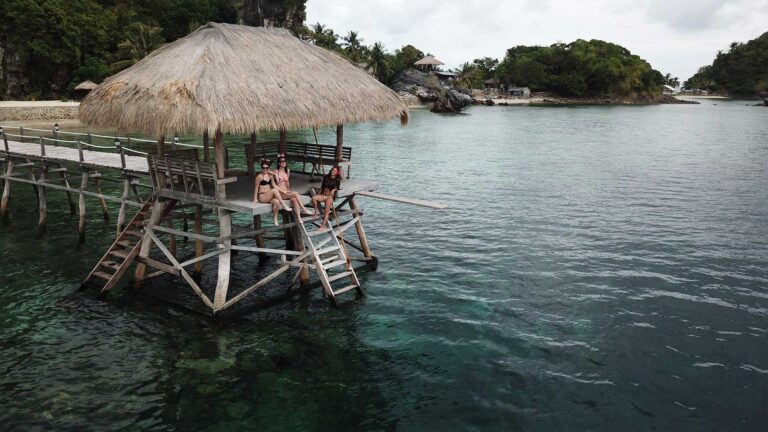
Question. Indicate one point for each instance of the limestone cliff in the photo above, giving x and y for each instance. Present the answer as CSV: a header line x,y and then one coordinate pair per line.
x,y
288,14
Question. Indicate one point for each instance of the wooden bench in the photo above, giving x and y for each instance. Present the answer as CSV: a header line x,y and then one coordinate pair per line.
x,y
317,155
186,176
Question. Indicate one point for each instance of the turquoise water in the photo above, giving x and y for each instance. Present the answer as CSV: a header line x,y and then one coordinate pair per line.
x,y
600,268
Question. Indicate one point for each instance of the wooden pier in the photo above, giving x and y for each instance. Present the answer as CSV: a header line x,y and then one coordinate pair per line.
x,y
156,236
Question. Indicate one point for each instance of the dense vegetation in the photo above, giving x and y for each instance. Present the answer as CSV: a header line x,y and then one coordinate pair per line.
x,y
49,46
742,71
580,69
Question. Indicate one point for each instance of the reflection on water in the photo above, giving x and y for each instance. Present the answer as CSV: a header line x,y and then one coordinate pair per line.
x,y
599,269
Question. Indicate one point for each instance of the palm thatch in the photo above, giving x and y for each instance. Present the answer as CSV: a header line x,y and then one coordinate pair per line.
x,y
86,85
239,79
429,61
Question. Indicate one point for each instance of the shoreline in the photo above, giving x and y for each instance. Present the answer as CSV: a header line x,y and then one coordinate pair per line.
x,y
38,110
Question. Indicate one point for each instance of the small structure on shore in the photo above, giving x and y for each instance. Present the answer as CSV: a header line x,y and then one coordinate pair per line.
x,y
220,79
520,92
668,90
85,87
445,78
428,63
492,84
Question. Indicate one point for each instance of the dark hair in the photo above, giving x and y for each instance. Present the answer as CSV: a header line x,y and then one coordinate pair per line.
x,y
266,162
339,174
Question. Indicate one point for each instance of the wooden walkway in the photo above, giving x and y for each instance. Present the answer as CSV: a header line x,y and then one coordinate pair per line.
x,y
90,158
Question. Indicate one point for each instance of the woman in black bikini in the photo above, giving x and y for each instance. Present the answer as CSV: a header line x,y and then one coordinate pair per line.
x,y
266,191
328,191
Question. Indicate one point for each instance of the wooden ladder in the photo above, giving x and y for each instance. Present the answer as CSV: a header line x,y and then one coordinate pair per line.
x,y
121,254
331,261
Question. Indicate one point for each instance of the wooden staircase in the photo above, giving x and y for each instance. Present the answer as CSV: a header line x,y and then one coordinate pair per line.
x,y
121,254
331,262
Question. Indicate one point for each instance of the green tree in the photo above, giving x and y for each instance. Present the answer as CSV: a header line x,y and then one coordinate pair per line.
x,y
140,40
378,62
471,76
487,65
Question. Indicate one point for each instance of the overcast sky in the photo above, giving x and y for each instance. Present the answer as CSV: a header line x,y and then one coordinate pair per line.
x,y
675,36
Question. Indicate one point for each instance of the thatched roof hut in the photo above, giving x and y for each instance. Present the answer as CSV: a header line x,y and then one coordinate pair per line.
x,y
86,85
239,79
429,60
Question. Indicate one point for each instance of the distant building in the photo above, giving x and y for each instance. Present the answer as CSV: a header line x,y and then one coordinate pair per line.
x,y
428,63
668,90
82,89
522,92
492,83
445,78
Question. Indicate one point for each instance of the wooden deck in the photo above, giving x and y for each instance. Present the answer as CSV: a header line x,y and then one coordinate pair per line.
x,y
240,193
91,158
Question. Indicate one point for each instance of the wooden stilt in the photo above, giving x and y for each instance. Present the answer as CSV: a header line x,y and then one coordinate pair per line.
x,y
251,161
123,206
172,240
206,148
161,145
339,143
361,232
198,269
81,206
259,237
6,193
41,204
300,247
218,147
102,202
225,260
63,175
146,243
283,141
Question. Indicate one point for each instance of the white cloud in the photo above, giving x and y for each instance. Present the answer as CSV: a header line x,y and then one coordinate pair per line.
x,y
674,36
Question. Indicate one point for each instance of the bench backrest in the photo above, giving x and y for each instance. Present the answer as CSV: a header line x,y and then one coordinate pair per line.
x,y
297,151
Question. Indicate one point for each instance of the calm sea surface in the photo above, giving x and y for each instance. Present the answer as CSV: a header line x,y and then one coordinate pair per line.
x,y
600,268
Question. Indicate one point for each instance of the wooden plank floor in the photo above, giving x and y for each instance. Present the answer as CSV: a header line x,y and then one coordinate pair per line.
x,y
240,193
92,158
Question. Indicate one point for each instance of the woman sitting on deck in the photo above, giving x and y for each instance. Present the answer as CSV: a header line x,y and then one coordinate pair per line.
x,y
328,191
266,190
282,178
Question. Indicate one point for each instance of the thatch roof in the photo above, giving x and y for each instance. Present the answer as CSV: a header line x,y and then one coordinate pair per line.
x,y
429,61
240,79
86,85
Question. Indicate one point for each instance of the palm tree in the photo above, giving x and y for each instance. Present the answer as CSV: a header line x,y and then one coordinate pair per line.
x,y
378,62
140,40
324,37
353,46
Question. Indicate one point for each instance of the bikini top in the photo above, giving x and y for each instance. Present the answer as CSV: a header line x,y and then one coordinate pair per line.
x,y
281,178
264,182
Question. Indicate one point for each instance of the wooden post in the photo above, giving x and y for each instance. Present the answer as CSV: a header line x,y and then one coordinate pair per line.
x,y
172,240
81,206
252,160
298,240
283,141
63,175
361,232
198,243
225,259
161,145
146,243
339,143
259,237
218,148
206,148
123,206
102,202
41,205
6,192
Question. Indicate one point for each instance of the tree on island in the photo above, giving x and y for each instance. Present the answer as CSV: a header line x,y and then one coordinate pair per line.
x,y
741,71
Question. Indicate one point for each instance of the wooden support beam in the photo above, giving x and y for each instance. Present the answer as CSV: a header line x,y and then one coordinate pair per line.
x,y
123,206
361,232
63,175
303,272
259,284
339,143
259,237
102,202
206,147
161,145
41,204
81,207
172,238
175,232
6,192
225,260
218,147
198,270
146,243
183,273
283,141
250,162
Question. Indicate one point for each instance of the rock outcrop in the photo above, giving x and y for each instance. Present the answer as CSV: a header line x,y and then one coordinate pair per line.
x,y
274,13
413,83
